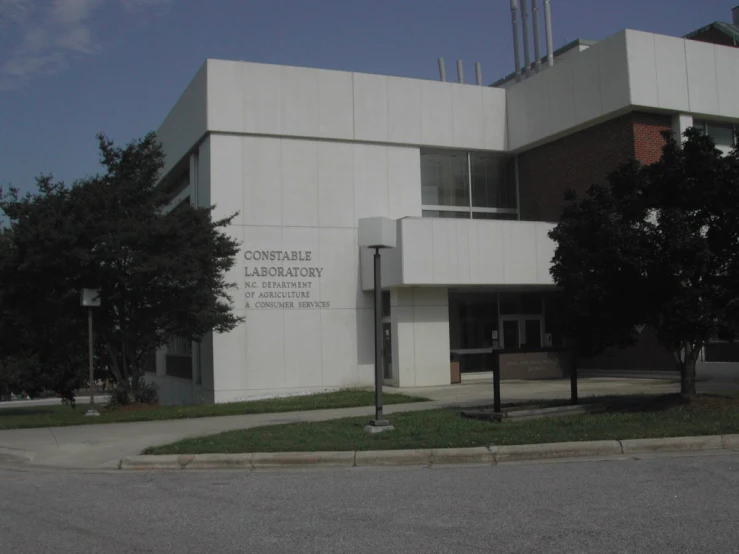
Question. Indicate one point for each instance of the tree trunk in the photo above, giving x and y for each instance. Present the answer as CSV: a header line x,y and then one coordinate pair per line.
x,y
131,367
114,360
687,373
124,365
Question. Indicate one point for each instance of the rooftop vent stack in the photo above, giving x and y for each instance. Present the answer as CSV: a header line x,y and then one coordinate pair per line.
x,y
460,72
537,34
548,28
735,15
442,71
478,73
526,45
516,55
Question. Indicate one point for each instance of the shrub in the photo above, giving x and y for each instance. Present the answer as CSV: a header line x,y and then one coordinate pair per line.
x,y
118,397
144,393
147,393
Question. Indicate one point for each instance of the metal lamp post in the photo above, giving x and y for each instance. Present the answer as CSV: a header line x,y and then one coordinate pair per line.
x,y
90,298
378,233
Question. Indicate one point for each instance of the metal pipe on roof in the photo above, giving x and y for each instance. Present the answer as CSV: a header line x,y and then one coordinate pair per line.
x,y
525,29
478,73
548,28
537,34
516,55
442,71
460,72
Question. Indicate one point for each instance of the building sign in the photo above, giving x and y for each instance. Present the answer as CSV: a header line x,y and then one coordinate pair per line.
x,y
281,280
535,365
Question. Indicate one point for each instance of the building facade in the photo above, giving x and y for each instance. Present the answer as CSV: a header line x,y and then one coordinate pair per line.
x,y
474,177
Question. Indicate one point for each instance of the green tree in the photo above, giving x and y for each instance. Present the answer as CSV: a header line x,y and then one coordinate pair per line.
x,y
42,327
160,270
657,245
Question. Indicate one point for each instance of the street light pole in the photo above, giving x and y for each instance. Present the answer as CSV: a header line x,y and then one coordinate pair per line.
x,y
377,233
379,420
92,379
90,298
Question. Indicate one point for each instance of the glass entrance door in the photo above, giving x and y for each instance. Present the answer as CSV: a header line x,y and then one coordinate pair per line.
x,y
532,333
522,331
511,334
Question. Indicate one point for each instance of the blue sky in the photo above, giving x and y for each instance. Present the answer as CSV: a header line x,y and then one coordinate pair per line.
x,y
72,68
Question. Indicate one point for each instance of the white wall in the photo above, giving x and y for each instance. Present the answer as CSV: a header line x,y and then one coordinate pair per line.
x,y
289,182
420,328
629,70
436,252
683,75
577,90
186,123
307,196
304,102
680,123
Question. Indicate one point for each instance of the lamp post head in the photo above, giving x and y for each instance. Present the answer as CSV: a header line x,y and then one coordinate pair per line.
x,y
377,232
90,298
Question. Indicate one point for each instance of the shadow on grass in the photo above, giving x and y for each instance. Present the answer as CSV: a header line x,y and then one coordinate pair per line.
x,y
632,403
15,412
665,402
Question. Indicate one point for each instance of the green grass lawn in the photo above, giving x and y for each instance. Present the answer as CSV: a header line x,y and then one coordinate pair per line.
x,y
57,416
628,417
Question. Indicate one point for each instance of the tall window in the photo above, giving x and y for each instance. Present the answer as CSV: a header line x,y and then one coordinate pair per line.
x,y
179,346
477,185
722,133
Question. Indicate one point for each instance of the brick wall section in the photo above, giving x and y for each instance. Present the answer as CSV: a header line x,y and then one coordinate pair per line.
x,y
572,162
648,141
576,162
646,354
579,160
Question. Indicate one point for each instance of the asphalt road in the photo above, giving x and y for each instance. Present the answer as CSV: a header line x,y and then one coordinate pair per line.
x,y
665,504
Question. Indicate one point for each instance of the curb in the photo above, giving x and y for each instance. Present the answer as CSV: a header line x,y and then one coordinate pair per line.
x,y
479,455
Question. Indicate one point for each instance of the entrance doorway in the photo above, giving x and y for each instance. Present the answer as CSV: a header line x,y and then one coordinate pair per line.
x,y
522,331
481,322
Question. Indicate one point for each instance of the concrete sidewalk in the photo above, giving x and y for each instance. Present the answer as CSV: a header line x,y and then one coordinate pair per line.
x,y
102,446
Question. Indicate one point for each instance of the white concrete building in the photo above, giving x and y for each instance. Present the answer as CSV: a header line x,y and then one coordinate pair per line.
x,y
473,176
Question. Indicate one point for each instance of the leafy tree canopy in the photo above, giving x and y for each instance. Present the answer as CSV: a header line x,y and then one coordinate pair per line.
x,y
657,245
161,271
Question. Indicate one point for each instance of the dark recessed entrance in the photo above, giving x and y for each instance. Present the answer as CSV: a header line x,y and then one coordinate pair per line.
x,y
481,321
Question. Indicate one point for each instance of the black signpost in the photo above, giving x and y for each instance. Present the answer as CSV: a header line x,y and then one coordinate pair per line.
x,y
496,382
573,380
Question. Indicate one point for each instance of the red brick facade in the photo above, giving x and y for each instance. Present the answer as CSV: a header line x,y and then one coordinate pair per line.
x,y
583,158
648,140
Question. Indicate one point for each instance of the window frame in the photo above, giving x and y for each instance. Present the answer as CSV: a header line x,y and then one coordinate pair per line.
x,y
705,126
470,209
